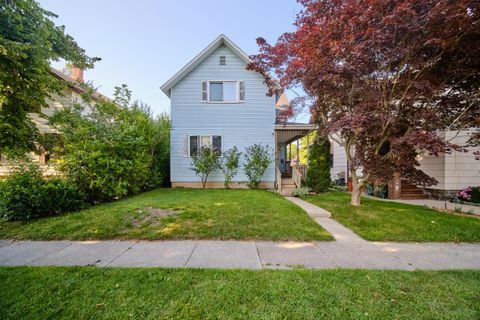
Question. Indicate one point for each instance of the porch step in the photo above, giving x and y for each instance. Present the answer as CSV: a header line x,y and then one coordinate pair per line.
x,y
411,191
288,182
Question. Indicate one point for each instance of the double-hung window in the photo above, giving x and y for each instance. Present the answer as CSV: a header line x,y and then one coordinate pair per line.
x,y
196,143
223,91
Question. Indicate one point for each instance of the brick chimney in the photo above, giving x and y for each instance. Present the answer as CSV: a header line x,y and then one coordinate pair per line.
x,y
76,73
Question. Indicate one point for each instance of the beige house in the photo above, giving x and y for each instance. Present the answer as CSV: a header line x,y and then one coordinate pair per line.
x,y
453,171
72,94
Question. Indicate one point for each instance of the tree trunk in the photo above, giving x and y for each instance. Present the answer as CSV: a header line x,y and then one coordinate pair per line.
x,y
358,186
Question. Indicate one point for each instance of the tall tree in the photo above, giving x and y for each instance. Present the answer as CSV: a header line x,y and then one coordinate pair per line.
x,y
29,41
385,77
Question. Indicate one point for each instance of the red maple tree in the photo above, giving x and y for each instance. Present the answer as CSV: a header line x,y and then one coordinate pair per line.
x,y
385,78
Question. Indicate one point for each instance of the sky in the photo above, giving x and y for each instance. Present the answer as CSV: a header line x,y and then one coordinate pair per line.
x,y
143,43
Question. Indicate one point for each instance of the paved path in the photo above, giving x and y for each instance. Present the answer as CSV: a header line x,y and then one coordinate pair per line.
x,y
348,251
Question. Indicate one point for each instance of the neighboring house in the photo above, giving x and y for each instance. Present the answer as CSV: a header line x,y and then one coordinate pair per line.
x,y
71,94
216,101
453,171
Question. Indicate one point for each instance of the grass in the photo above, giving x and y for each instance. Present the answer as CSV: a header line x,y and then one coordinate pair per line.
x,y
378,220
199,214
108,293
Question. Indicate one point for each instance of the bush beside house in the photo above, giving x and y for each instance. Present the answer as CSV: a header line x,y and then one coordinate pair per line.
x,y
106,151
257,159
25,194
318,172
205,162
112,150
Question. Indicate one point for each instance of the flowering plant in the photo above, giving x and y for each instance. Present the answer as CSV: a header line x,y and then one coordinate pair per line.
x,y
465,194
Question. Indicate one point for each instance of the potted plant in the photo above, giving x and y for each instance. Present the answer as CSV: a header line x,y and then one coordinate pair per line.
x,y
369,189
382,191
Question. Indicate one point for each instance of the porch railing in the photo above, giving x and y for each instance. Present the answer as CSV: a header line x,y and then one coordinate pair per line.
x,y
296,176
278,179
302,168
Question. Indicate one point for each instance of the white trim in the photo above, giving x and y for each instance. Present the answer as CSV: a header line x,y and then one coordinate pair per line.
x,y
221,39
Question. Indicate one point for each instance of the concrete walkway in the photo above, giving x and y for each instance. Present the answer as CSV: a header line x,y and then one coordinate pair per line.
x,y
348,251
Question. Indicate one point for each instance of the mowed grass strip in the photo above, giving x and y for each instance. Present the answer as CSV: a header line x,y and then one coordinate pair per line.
x,y
108,293
193,214
378,220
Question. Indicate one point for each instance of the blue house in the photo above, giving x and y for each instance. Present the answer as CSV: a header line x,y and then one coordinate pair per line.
x,y
215,101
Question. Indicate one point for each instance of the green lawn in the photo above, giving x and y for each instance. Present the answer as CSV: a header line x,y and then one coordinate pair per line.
x,y
101,293
378,220
197,214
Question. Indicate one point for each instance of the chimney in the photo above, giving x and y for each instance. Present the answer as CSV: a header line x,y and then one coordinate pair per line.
x,y
76,73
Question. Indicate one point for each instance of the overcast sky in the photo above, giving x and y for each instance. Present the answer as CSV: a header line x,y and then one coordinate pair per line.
x,y
143,43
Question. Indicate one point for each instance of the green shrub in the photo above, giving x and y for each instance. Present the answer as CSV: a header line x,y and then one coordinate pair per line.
x,y
318,172
299,192
230,161
205,162
257,160
110,151
475,195
26,195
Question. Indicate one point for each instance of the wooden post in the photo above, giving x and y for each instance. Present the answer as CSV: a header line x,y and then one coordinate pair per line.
x,y
298,151
290,153
395,186
308,147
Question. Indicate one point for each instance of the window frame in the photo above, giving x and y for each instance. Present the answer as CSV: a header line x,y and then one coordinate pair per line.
x,y
237,92
199,139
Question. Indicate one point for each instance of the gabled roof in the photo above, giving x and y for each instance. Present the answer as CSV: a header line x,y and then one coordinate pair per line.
x,y
220,40
75,85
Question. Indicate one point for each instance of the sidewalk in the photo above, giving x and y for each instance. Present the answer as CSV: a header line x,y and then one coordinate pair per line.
x,y
348,251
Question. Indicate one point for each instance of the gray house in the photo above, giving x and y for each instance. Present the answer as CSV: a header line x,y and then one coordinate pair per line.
x,y
216,101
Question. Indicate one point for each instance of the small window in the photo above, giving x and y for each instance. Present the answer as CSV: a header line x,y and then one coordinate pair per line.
x,y
223,60
196,143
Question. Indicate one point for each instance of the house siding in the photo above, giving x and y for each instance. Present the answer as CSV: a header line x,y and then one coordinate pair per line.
x,y
340,167
239,124
456,170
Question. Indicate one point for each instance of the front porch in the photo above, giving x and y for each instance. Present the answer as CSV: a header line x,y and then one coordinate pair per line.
x,y
291,155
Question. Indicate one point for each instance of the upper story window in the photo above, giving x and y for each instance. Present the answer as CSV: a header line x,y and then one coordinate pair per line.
x,y
223,91
223,60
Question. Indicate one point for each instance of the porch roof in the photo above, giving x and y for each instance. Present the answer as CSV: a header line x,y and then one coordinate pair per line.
x,y
290,131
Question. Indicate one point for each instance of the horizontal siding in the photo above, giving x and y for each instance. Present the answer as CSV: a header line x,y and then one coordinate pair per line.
x,y
339,162
239,124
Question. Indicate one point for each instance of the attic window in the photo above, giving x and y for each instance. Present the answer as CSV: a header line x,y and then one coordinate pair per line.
x,y
223,60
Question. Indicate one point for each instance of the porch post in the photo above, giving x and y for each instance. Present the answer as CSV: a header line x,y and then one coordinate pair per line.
x,y
308,147
298,151
290,153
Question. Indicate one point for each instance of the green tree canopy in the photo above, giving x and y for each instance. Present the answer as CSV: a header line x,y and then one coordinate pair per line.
x,y
29,41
